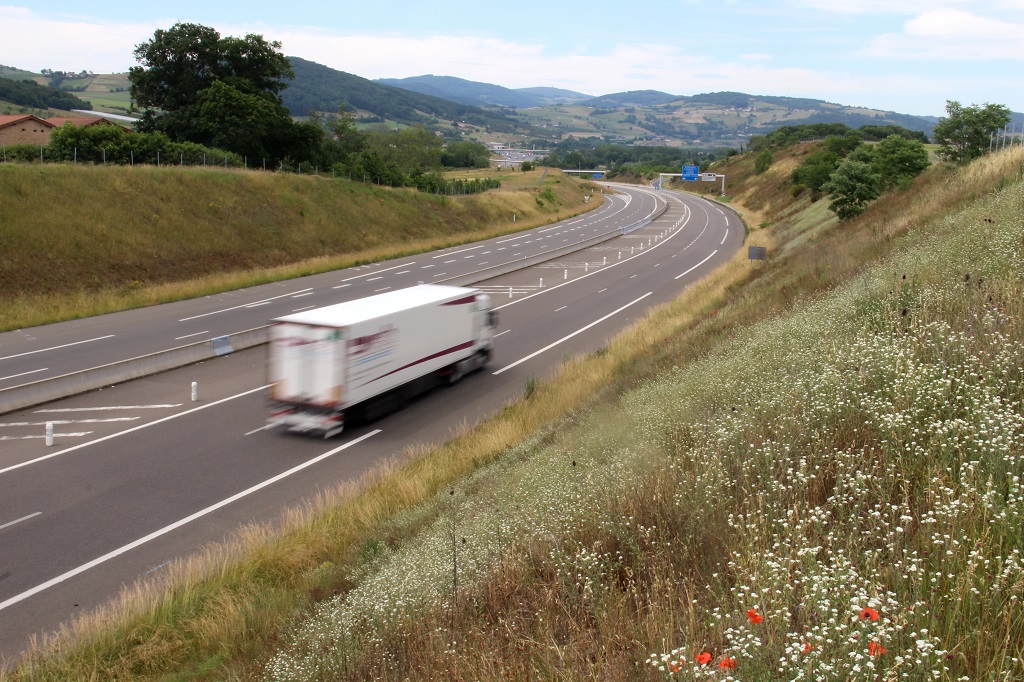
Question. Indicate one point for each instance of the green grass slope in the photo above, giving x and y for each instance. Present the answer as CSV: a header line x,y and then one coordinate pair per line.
x,y
825,486
803,469
124,237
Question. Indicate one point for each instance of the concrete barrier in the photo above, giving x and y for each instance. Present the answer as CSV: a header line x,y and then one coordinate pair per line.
x,y
47,390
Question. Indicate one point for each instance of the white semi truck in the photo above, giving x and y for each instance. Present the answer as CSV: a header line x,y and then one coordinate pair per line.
x,y
364,358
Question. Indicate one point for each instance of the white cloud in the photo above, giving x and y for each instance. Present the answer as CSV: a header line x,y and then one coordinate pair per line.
x,y
33,42
897,7
952,34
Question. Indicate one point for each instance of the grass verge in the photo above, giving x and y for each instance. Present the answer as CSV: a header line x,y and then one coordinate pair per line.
x,y
123,238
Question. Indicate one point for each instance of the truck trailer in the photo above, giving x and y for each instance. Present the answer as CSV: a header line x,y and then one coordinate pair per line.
x,y
367,357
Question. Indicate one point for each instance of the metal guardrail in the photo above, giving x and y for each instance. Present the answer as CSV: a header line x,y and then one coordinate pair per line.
x,y
55,388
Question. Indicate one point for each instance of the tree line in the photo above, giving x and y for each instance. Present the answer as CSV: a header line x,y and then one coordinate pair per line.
x,y
853,173
28,93
620,159
208,99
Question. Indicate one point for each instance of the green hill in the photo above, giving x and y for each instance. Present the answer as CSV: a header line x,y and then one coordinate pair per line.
x,y
804,468
146,235
320,88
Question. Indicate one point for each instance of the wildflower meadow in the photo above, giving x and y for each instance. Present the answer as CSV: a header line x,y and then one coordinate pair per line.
x,y
833,493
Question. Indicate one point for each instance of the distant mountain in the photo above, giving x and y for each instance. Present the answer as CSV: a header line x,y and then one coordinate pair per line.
x,y
320,88
546,96
462,91
479,94
448,104
633,98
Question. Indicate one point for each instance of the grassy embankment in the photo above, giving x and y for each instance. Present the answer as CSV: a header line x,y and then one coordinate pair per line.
x,y
84,240
756,473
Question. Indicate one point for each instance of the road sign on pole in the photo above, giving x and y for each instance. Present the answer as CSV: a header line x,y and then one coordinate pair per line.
x,y
691,173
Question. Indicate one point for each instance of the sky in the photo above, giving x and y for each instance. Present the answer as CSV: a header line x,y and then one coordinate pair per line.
x,y
907,56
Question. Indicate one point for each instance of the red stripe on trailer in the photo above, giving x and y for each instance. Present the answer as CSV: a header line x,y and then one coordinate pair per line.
x,y
462,301
453,349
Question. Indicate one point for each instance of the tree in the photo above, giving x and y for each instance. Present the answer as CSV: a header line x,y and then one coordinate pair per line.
x,y
964,133
192,83
852,187
409,149
466,154
815,171
897,159
763,161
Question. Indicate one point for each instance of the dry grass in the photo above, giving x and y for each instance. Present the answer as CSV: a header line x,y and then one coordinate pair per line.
x,y
128,237
586,551
674,516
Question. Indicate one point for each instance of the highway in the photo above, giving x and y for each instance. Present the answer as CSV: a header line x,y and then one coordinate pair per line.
x,y
141,475
40,353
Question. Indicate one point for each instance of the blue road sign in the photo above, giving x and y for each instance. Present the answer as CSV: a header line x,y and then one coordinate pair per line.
x,y
691,173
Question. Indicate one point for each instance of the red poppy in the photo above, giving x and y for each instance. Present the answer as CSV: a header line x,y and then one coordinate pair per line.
x,y
703,658
675,666
754,617
875,649
807,648
868,613
729,663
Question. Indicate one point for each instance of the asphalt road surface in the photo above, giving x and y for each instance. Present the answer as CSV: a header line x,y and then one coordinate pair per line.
x,y
141,475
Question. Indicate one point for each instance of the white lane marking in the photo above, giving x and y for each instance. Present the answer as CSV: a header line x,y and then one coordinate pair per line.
x,y
632,276
393,267
258,304
698,264
15,376
439,274
244,305
566,338
725,237
500,333
23,518
265,427
188,336
66,345
683,222
341,286
131,430
428,266
308,293
561,309
403,272
450,261
380,290
452,253
485,253
70,421
512,239
373,279
603,290
306,307
178,524
108,407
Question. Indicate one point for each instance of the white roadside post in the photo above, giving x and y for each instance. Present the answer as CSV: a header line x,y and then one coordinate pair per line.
x,y
195,391
49,433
